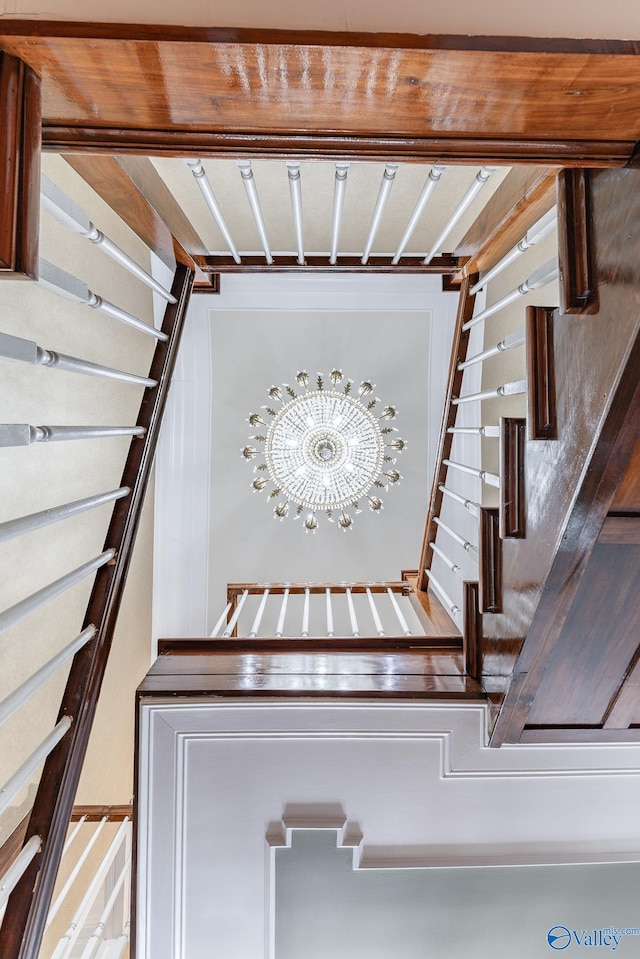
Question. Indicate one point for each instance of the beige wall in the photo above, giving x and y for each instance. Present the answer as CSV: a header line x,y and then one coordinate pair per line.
x,y
546,18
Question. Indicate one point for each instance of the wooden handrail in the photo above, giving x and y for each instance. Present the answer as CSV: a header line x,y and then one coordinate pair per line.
x,y
27,908
277,589
454,383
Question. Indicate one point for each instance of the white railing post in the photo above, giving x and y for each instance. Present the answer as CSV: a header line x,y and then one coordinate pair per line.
x,y
236,614
16,870
473,508
11,703
340,186
254,202
26,606
352,614
27,524
256,623
71,288
466,545
24,434
295,191
404,626
388,177
538,232
329,610
511,342
507,389
14,784
374,612
481,178
65,945
283,613
305,613
432,181
207,192
545,274
58,205
62,895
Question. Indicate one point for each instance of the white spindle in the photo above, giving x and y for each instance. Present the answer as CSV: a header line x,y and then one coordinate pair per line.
x,y
26,606
19,696
22,775
339,189
352,614
73,875
441,592
93,943
541,277
27,524
329,608
432,181
254,202
448,562
236,614
28,351
71,288
65,945
388,177
538,232
481,178
216,629
374,612
121,942
256,623
473,508
74,832
305,613
404,626
466,545
295,190
207,192
490,431
491,479
510,342
24,434
58,205
283,613
16,870
507,389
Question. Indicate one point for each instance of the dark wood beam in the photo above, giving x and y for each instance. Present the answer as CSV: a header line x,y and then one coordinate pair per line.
x,y
445,264
20,135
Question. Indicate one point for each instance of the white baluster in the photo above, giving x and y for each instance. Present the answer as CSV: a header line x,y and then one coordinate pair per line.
x,y
404,626
216,629
432,181
207,192
15,783
339,190
283,613
236,614
352,614
374,612
256,623
481,178
305,613
538,232
541,277
388,177
295,190
27,524
329,608
252,196
64,892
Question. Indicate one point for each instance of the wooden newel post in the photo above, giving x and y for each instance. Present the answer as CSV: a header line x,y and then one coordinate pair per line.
x,y
20,136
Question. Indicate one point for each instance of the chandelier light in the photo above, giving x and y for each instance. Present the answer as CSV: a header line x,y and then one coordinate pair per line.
x,y
324,450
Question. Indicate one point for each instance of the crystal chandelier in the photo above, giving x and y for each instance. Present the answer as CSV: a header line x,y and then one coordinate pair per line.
x,y
324,449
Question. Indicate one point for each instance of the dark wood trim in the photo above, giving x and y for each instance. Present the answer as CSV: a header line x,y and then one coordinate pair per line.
x,y
13,844
620,529
490,560
454,383
512,491
313,644
434,618
277,589
552,152
521,199
410,41
472,629
96,813
212,285
578,293
20,137
107,177
28,904
152,187
541,385
573,734
320,264
604,470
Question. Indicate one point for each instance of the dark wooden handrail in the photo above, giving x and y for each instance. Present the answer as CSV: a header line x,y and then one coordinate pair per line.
x,y
27,908
454,383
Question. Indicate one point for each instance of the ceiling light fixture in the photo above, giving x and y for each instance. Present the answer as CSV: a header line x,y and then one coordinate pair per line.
x,y
324,449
